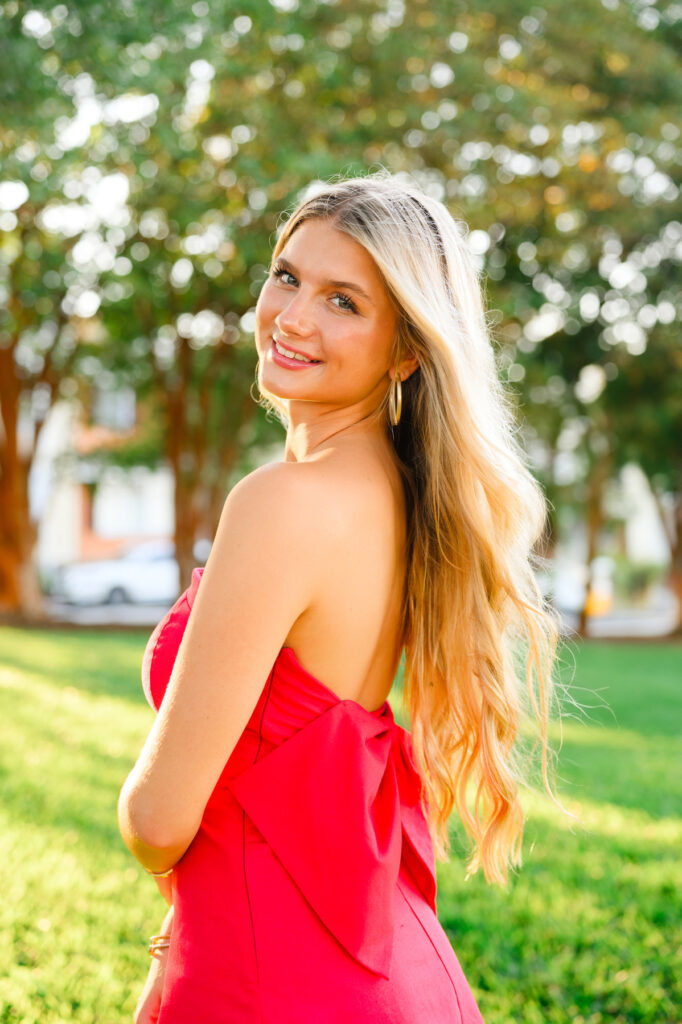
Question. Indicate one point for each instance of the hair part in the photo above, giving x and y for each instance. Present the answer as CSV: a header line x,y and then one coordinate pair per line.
x,y
480,641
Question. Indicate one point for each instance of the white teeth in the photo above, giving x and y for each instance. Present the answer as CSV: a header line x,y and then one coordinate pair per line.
x,y
291,355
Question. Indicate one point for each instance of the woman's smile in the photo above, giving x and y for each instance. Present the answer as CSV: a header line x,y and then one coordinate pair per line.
x,y
292,361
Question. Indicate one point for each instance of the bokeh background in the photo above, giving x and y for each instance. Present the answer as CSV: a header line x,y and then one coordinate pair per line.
x,y
148,152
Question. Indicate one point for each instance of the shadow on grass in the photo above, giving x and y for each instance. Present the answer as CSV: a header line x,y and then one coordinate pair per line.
x,y
590,926
99,663
630,774
629,686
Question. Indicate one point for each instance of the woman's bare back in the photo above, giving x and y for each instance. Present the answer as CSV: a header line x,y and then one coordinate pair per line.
x,y
350,638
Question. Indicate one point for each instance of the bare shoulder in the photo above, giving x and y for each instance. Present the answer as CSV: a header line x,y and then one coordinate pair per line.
x,y
306,521
265,566
313,498
296,494
281,519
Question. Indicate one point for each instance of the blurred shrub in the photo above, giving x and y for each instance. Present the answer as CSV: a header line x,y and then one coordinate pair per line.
x,y
632,580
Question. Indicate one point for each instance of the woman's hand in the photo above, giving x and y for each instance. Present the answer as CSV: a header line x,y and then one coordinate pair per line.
x,y
149,1004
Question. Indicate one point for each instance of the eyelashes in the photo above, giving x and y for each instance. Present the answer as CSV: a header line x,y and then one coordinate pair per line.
x,y
350,308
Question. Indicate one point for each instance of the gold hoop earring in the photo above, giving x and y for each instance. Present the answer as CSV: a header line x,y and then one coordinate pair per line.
x,y
395,403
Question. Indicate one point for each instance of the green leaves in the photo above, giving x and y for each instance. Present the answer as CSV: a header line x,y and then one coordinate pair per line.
x,y
551,130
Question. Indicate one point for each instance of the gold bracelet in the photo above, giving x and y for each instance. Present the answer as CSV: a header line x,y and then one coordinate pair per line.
x,y
160,874
158,942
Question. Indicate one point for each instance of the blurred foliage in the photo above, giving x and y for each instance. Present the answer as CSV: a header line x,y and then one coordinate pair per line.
x,y
161,143
632,580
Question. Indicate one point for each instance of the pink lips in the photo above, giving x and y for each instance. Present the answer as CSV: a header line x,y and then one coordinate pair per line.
x,y
291,364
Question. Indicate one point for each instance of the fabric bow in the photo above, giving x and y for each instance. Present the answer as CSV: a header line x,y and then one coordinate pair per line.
x,y
338,804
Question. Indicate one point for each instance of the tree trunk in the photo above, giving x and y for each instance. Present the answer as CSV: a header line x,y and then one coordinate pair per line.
x,y
199,473
185,527
178,456
20,594
675,577
593,521
673,530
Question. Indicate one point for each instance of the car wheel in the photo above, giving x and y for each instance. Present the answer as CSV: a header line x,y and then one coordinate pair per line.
x,y
117,596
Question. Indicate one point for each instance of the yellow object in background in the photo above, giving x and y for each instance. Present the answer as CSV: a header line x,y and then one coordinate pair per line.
x,y
599,602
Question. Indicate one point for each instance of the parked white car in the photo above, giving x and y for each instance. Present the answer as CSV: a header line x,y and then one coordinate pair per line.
x,y
144,573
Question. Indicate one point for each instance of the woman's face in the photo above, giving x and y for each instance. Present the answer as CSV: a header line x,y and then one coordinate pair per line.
x,y
347,329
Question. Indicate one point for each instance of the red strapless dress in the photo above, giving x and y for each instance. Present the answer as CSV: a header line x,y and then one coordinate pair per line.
x,y
308,895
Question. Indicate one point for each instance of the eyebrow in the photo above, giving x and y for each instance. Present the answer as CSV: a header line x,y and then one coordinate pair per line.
x,y
335,284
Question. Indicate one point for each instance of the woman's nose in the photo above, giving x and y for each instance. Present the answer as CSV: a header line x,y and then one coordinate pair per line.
x,y
296,317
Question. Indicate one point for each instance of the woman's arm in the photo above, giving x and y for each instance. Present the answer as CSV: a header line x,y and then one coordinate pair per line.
x,y
166,889
264,568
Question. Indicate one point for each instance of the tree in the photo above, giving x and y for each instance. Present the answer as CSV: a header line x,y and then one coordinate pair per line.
x,y
211,119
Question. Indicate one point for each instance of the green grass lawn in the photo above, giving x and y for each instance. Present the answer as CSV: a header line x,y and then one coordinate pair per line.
x,y
590,929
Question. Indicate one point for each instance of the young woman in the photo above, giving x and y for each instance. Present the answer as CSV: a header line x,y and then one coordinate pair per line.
x,y
293,824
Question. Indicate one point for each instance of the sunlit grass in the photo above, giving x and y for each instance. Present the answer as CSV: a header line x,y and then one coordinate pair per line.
x,y
76,906
590,930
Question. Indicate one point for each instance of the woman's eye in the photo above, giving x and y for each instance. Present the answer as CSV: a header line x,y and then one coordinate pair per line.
x,y
349,306
281,272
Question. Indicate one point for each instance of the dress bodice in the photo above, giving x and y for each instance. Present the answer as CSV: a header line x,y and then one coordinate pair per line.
x,y
331,787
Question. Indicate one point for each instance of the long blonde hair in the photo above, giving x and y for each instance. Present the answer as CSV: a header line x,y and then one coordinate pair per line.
x,y
475,619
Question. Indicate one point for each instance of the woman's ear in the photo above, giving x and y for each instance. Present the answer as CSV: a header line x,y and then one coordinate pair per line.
x,y
407,367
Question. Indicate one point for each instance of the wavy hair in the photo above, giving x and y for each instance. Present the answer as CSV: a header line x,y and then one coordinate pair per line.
x,y
479,640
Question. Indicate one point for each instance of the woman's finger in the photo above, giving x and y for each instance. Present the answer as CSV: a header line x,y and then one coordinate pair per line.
x,y
149,1004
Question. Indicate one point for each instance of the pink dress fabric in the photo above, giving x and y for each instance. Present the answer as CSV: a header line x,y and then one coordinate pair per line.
x,y
308,895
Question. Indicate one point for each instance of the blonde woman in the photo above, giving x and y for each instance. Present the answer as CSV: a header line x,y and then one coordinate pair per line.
x,y
293,824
